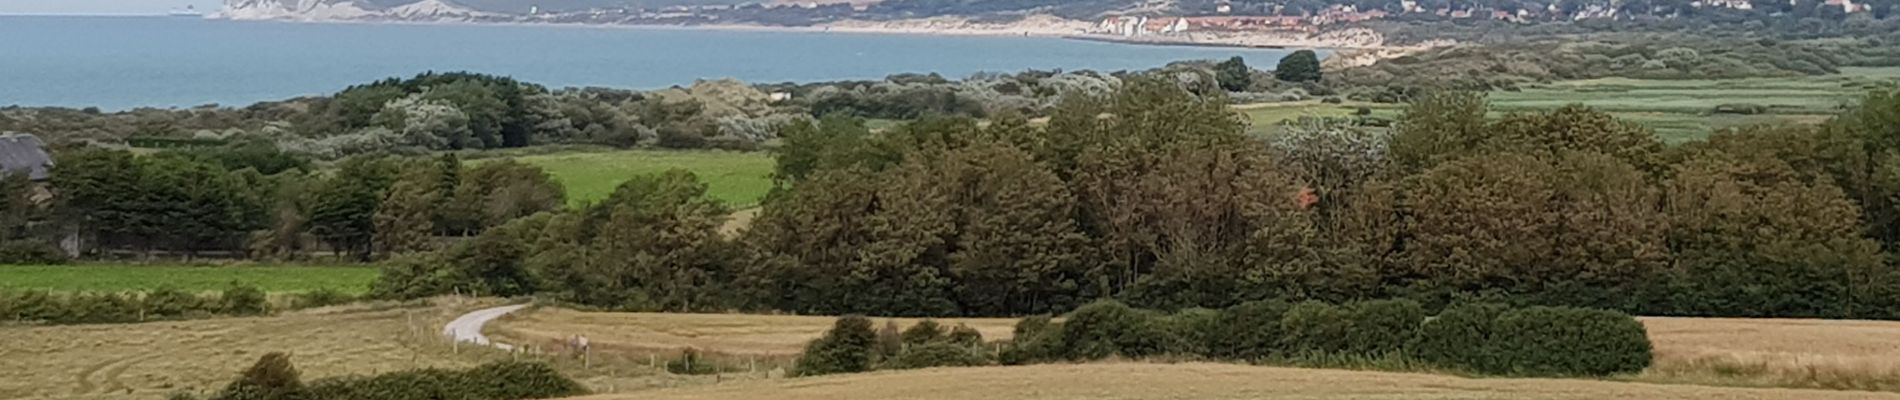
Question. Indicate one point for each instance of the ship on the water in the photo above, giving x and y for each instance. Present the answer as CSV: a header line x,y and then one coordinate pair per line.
x,y
188,11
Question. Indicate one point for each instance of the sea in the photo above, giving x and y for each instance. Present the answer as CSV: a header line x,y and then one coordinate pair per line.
x,y
117,63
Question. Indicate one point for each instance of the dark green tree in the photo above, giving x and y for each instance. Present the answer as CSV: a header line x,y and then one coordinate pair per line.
x,y
1234,75
1300,66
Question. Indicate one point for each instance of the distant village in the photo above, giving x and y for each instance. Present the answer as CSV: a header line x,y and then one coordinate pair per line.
x,y
1341,13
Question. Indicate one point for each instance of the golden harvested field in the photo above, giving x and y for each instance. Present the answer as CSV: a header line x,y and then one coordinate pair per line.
x,y
1200,381
1863,355
728,334
151,360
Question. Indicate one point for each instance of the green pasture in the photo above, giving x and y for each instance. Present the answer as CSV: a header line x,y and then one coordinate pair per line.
x,y
1678,110
740,179
354,279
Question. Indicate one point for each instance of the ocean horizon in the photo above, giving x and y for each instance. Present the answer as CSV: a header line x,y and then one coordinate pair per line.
x,y
125,62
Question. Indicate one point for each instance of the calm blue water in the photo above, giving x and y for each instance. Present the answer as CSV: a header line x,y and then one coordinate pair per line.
x,y
123,62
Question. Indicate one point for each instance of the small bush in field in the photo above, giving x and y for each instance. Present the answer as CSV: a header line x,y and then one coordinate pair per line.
x,y
889,341
964,335
940,354
1036,339
271,378
690,363
846,348
923,332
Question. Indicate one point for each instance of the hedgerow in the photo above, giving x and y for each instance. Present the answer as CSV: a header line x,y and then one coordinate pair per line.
x,y
1476,338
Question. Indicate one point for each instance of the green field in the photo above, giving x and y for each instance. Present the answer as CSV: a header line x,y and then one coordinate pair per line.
x,y
740,179
1681,110
123,277
1678,110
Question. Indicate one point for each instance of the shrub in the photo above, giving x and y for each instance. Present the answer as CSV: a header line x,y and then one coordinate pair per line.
x,y
30,306
925,331
1108,328
964,335
1383,326
320,298
30,252
1314,328
271,378
1459,337
243,300
940,354
845,348
690,363
1037,338
889,341
1248,331
497,381
1196,327
520,380
1564,341
169,302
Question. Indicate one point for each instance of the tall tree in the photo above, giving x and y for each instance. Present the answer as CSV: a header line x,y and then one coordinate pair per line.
x,y
1300,66
1234,75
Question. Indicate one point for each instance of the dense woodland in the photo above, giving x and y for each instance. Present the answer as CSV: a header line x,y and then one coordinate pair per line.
x,y
1138,186
1150,194
1153,196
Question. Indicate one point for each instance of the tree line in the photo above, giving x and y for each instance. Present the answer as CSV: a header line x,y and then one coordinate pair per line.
x,y
1154,196
186,203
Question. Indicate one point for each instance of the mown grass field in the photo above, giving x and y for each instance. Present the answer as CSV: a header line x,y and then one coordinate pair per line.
x,y
152,360
1678,110
740,179
352,279
1200,381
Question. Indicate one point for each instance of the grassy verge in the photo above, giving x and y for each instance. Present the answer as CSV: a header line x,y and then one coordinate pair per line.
x,y
353,280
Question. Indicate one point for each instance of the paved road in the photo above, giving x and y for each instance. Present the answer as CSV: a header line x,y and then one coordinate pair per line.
x,y
468,327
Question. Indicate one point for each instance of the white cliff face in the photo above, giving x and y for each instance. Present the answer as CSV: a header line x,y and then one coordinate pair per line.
x,y
343,10
433,10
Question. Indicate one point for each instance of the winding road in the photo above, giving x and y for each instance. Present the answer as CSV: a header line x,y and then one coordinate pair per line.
x,y
468,327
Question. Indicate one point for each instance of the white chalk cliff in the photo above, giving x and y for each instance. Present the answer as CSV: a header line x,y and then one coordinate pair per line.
x,y
345,10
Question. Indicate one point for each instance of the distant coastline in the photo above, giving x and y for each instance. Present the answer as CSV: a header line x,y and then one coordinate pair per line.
x,y
1034,26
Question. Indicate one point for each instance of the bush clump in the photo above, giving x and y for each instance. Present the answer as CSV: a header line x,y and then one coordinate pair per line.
x,y
1382,327
846,348
274,378
1459,337
1036,338
1109,328
1314,328
31,252
939,354
690,362
1248,331
1566,341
